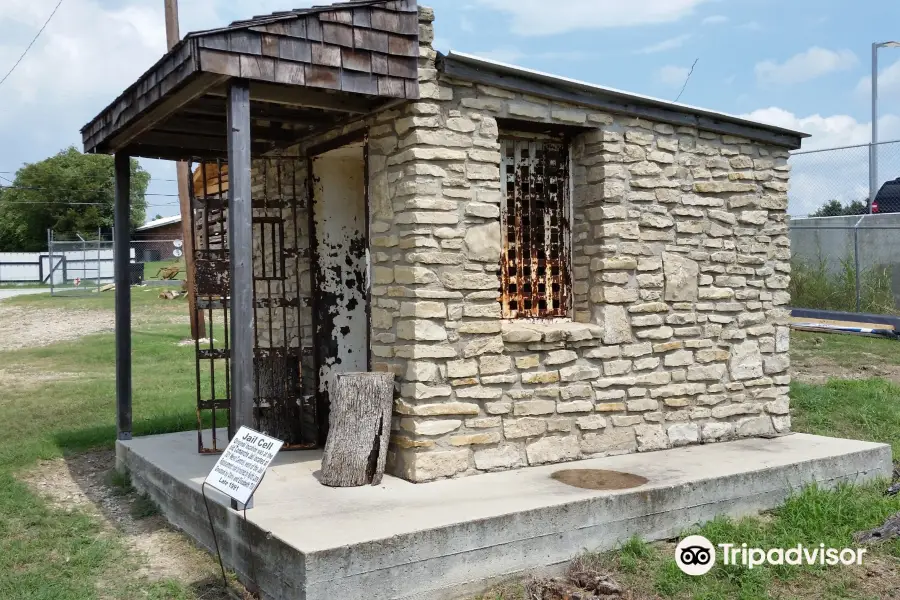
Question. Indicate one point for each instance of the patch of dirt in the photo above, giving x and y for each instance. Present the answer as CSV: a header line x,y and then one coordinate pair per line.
x,y
28,327
20,378
818,370
584,579
83,482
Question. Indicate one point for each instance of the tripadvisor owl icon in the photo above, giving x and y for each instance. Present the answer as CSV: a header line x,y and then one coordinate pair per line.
x,y
695,555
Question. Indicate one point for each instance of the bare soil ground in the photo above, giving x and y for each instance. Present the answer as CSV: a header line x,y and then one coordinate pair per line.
x,y
29,327
83,482
820,370
817,358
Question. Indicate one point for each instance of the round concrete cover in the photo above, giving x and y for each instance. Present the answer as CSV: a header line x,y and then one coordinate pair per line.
x,y
598,479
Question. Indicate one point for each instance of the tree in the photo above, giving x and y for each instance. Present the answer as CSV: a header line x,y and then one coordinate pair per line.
x,y
69,193
834,208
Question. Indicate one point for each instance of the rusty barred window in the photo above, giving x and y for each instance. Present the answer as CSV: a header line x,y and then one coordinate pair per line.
x,y
535,225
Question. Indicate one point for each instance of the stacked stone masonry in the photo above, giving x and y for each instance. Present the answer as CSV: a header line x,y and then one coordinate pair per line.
x,y
680,266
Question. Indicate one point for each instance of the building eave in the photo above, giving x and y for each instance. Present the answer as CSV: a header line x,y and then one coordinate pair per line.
x,y
481,70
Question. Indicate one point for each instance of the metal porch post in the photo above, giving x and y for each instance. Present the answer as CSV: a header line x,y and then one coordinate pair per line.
x,y
121,255
240,246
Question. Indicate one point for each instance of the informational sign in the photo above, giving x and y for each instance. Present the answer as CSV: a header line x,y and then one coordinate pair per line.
x,y
241,467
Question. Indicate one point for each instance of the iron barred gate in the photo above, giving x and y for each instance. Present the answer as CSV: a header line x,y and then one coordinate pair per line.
x,y
284,402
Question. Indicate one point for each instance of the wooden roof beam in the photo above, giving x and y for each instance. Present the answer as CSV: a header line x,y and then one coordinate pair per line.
x,y
196,87
299,96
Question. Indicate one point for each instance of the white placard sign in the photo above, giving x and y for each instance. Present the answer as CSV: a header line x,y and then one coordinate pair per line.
x,y
241,467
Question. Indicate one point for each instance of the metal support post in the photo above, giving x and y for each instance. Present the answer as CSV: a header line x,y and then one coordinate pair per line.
x,y
240,247
121,255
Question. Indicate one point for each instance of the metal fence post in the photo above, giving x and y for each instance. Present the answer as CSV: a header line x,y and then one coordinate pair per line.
x,y
856,259
50,258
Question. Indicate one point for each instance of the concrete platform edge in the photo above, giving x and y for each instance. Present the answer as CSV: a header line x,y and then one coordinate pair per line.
x,y
442,563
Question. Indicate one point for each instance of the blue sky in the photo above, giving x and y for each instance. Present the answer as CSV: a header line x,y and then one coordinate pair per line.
x,y
797,63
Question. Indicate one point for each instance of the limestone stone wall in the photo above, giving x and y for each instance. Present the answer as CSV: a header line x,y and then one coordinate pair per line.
x,y
680,260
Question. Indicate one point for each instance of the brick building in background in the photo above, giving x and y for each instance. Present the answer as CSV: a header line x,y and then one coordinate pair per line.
x,y
154,240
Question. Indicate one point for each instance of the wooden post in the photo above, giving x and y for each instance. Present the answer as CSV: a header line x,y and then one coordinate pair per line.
x,y
121,266
360,429
183,176
240,248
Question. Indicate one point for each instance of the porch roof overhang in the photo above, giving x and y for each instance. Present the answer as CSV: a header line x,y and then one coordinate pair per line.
x,y
308,69
488,72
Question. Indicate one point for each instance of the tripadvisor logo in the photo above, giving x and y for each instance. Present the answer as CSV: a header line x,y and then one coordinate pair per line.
x,y
696,555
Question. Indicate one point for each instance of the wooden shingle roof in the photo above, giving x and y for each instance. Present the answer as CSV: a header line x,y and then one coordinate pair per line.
x,y
306,67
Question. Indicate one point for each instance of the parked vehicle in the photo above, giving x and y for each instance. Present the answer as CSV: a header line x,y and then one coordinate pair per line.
x,y
887,200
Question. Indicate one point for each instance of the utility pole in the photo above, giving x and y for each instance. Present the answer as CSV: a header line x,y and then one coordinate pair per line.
x,y
198,326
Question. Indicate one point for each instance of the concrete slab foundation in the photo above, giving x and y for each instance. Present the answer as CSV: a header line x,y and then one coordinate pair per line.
x,y
402,541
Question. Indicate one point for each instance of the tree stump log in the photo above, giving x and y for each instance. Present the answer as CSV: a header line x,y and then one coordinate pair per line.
x,y
359,429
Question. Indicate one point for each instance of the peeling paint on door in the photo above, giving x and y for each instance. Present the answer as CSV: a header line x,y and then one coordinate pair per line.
x,y
339,217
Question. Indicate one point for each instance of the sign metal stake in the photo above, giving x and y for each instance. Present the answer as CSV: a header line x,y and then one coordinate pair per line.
x,y
238,474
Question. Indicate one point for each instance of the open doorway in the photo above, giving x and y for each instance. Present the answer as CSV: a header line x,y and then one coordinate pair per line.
x,y
341,270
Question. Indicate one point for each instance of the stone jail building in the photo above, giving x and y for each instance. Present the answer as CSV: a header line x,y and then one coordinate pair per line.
x,y
553,270
553,282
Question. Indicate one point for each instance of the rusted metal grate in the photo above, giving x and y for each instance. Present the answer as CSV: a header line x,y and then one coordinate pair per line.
x,y
534,268
285,379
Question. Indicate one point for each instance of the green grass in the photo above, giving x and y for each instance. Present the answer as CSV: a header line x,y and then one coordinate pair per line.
x,y
151,269
844,350
46,553
812,285
811,517
868,409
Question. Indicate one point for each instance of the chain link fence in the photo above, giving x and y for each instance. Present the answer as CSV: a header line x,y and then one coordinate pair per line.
x,y
835,181
84,263
79,263
845,251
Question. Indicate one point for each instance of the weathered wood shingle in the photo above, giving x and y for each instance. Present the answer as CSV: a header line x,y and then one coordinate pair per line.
x,y
367,47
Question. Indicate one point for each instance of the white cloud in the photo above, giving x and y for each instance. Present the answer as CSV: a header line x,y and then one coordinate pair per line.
x,y
511,55
466,25
834,174
805,66
751,26
888,83
88,54
535,17
672,75
504,54
669,44
714,20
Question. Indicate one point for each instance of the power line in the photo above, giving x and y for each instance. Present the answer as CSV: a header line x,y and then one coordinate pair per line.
x,y
152,179
4,202
36,36
688,78
43,189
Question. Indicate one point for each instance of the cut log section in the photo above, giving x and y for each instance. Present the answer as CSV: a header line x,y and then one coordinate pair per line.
x,y
359,429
